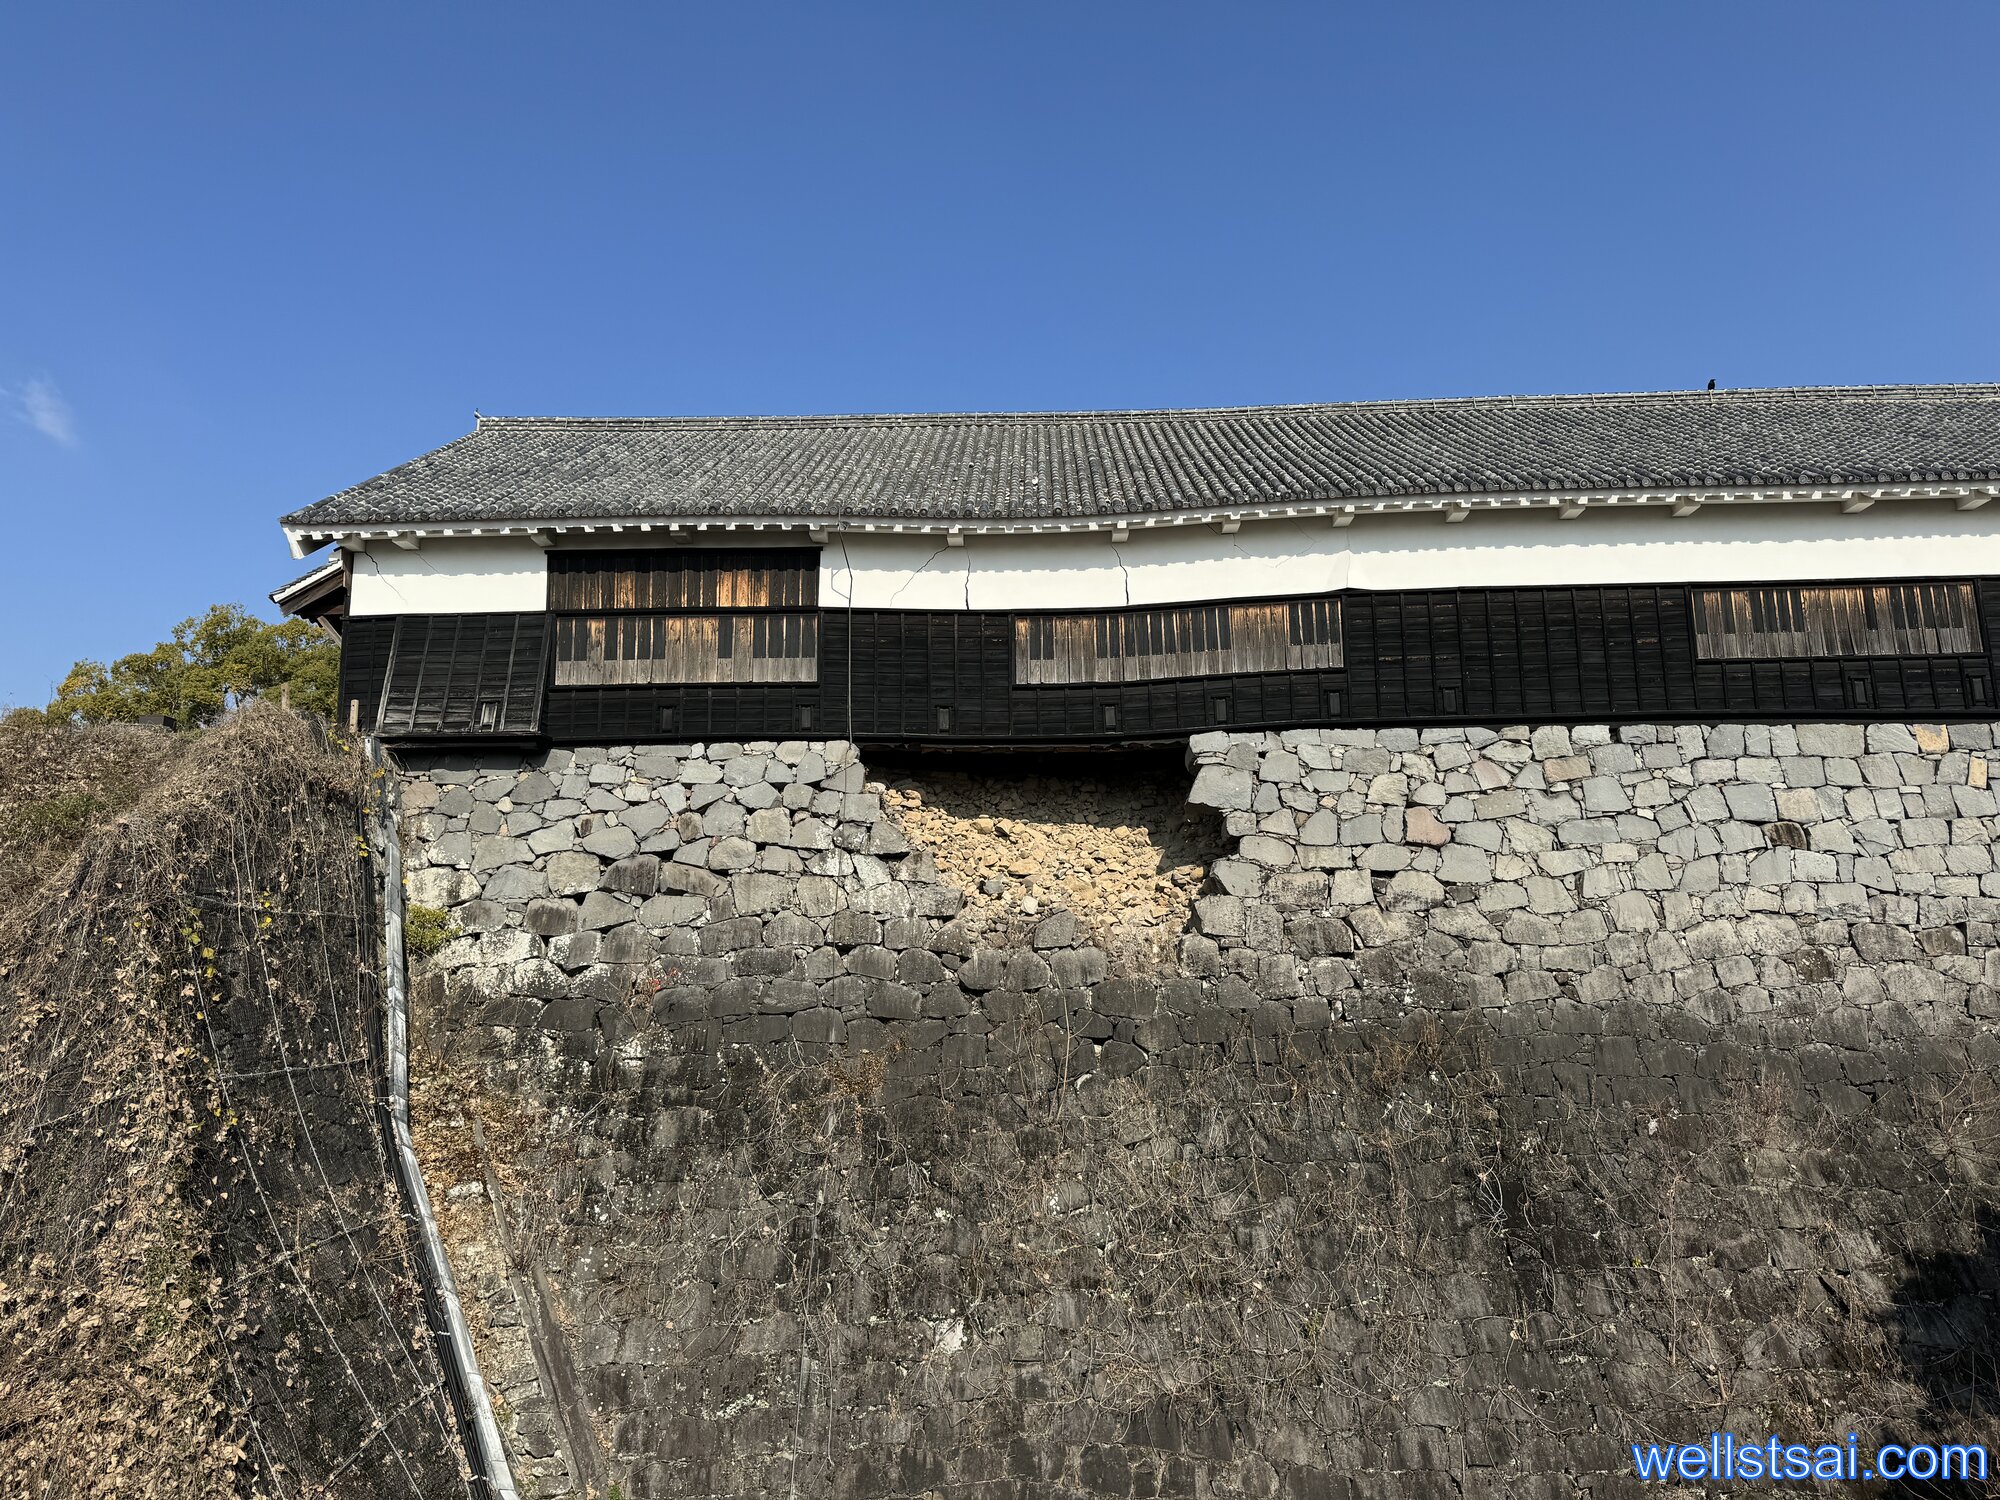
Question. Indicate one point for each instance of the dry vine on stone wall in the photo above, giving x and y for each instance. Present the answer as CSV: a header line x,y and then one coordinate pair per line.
x,y
205,1286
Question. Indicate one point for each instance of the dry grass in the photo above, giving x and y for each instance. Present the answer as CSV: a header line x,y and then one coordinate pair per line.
x,y
185,968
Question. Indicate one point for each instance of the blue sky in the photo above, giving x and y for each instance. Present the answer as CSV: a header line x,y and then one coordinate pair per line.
x,y
250,254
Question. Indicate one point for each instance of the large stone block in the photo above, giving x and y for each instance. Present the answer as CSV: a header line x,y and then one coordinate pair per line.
x,y
441,887
610,841
1225,788
635,875
515,883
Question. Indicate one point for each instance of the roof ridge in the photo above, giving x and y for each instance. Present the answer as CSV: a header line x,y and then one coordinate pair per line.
x,y
1976,390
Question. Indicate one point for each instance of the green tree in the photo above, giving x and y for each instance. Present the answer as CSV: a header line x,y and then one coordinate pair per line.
x,y
212,662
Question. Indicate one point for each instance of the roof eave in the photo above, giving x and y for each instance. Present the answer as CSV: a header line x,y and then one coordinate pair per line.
x,y
306,536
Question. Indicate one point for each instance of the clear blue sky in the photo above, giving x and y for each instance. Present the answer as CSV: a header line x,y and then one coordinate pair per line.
x,y
252,253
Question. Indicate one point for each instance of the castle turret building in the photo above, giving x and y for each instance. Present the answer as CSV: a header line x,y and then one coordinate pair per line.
x,y
1117,577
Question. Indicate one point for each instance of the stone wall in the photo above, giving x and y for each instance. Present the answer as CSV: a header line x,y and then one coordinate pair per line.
x,y
1721,870
1406,1179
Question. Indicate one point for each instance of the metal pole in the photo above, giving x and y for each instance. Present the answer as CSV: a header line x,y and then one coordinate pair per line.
x,y
487,1454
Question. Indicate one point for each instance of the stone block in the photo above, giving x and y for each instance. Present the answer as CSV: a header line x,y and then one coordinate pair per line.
x,y
516,883
1604,794
1219,916
601,909
1421,826
1319,937
573,873
1750,802
770,825
1321,829
635,875
441,887
550,918
610,841
493,851
1265,850
673,911
630,944
1889,738
1222,787
1413,888
1057,930
1078,968
755,891
731,854
1550,742
1587,831
1566,768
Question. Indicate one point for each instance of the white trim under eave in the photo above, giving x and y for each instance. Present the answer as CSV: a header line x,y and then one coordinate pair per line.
x,y
1567,505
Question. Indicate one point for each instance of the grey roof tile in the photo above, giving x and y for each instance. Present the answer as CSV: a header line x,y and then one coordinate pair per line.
x,y
1027,466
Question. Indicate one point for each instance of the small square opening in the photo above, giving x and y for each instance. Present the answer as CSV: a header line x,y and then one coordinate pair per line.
x,y
1218,710
667,719
805,716
489,713
1110,716
943,718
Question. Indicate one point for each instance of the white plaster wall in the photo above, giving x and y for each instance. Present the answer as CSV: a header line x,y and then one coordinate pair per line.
x,y
1168,565
457,575
1719,544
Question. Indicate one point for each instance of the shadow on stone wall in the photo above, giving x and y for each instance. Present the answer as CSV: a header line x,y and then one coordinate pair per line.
x,y
1469,1255
1946,1314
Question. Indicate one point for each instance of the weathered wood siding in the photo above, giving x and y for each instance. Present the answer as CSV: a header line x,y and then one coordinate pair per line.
x,y
1148,645
685,578
1892,619
601,650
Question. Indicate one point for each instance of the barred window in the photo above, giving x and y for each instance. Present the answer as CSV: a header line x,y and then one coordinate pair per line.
x,y
1207,640
1893,619
603,650
685,578
671,615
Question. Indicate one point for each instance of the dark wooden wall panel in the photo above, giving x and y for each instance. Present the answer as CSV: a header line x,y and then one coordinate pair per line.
x,y
717,711
1488,656
463,676
364,657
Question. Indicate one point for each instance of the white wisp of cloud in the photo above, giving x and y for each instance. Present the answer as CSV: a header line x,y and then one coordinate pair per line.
x,y
41,406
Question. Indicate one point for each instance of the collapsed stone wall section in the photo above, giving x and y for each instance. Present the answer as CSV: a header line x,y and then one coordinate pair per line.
x,y
1723,870
597,889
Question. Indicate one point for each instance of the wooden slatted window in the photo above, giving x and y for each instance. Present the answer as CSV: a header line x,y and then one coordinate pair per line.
x,y
463,675
668,615
603,650
685,578
1204,640
1872,619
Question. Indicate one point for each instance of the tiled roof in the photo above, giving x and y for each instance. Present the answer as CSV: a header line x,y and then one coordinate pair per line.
x,y
313,588
1043,466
